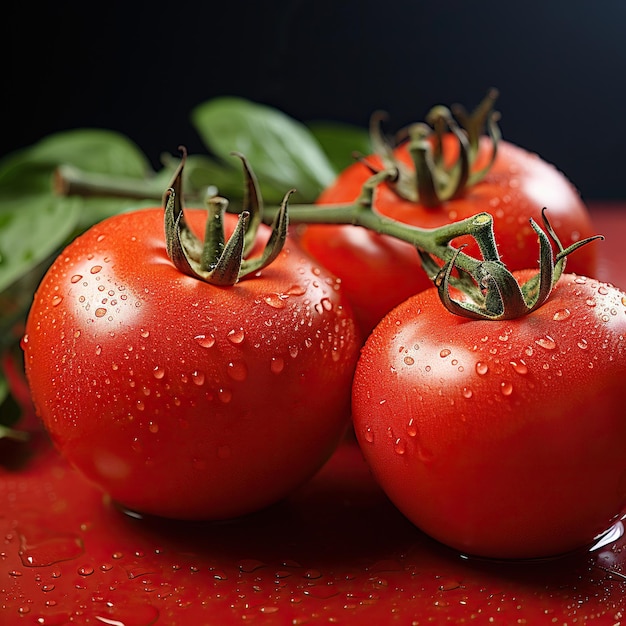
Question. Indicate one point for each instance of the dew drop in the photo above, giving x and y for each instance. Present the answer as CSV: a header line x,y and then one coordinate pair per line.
x,y
198,377
76,278
506,388
582,344
153,427
399,446
481,368
98,350
467,392
327,305
602,290
590,302
95,269
546,342
519,367
409,360
85,570
206,341
158,372
56,300
236,336
275,300
369,434
225,395
100,312
411,429
277,364
145,333
237,370
561,314
444,353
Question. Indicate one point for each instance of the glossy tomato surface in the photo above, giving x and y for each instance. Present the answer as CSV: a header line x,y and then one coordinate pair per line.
x,y
379,272
500,439
179,398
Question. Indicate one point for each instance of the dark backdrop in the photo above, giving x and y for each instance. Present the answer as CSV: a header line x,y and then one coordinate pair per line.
x,y
140,68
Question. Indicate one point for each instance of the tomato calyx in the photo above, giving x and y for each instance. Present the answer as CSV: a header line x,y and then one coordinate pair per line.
x,y
217,260
432,181
499,295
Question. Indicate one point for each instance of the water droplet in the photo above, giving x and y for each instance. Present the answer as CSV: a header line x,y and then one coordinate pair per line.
x,y
546,342
85,570
98,350
590,302
237,370
225,395
56,300
236,336
369,435
561,314
327,305
206,341
444,353
467,392
198,377
582,344
411,428
409,360
153,427
158,372
276,300
506,388
41,550
277,364
481,368
100,312
95,269
76,278
602,290
520,367
145,333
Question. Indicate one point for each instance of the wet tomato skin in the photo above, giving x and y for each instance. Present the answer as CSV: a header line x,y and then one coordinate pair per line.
x,y
380,272
179,398
500,439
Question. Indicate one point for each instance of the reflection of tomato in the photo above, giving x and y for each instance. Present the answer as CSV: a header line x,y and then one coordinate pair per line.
x,y
379,272
180,398
500,438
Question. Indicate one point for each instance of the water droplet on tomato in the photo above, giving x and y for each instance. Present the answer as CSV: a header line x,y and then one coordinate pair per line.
x,y
158,372
327,305
153,427
582,344
277,364
40,549
100,312
519,367
466,392
409,360
236,336
411,428
276,300
561,314
198,378
444,353
369,434
96,269
481,368
225,395
546,342
293,351
506,388
85,570
76,278
206,341
237,370
56,300
590,302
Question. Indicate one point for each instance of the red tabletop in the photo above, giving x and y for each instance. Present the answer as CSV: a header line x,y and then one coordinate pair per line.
x,y
335,552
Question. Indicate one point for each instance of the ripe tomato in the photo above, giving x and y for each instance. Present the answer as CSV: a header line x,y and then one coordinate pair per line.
x,y
500,438
183,399
379,272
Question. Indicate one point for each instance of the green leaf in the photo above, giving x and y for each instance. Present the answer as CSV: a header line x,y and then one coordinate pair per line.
x,y
281,150
340,141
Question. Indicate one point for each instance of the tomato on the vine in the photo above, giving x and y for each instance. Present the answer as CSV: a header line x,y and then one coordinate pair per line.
x,y
180,398
500,438
380,272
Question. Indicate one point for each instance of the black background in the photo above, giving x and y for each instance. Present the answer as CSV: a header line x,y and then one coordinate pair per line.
x,y
560,68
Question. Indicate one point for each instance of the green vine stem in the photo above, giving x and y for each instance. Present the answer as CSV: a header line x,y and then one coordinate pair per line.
x,y
491,291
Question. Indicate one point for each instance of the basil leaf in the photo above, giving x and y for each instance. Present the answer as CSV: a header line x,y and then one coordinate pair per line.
x,y
281,150
341,141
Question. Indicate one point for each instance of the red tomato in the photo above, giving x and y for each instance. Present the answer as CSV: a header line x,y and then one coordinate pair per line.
x,y
179,398
378,272
500,439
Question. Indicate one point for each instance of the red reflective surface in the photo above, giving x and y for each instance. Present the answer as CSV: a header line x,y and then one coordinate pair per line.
x,y
335,552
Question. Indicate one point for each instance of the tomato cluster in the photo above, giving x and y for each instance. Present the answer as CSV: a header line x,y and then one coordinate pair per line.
x,y
182,398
